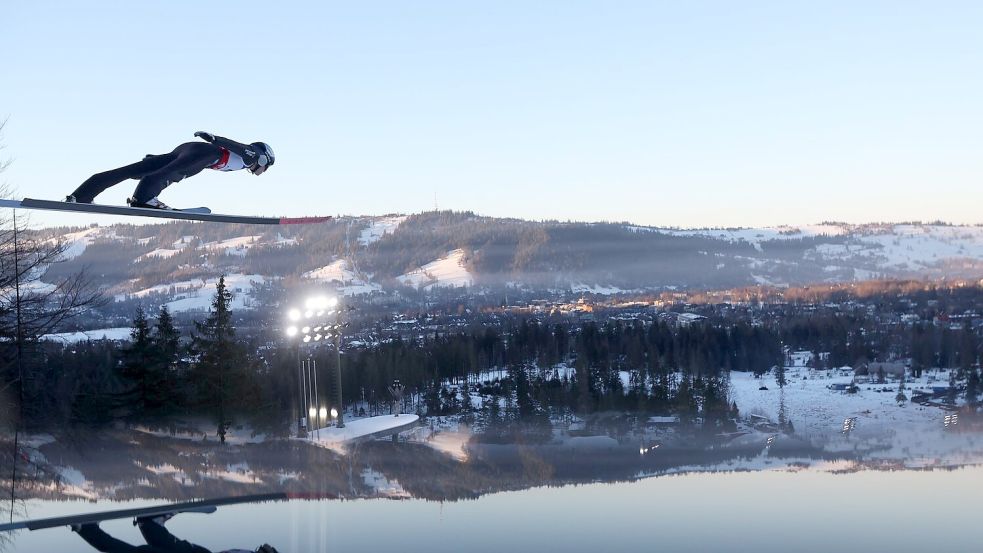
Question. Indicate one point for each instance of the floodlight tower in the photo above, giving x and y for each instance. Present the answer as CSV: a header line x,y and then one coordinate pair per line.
x,y
309,326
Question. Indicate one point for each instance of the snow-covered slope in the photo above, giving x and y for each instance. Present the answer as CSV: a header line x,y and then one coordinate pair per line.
x,y
75,243
446,271
340,274
379,228
197,294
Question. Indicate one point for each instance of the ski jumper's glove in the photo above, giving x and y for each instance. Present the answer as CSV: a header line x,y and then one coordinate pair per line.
x,y
206,136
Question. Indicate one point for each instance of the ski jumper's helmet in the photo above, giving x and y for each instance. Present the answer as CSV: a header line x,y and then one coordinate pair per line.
x,y
264,158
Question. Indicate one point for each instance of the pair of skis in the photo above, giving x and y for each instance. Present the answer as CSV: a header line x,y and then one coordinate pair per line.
x,y
201,506
192,214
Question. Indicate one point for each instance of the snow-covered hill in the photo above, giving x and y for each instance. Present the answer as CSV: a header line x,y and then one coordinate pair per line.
x,y
178,263
449,270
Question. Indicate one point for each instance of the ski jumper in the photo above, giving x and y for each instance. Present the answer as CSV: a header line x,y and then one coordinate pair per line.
x,y
157,172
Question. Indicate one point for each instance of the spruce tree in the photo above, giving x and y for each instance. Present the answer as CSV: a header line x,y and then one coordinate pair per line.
x,y
901,398
139,370
166,342
780,377
221,372
972,387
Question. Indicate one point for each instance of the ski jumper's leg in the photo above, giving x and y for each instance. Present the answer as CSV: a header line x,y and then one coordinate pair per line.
x,y
96,184
190,159
158,537
99,539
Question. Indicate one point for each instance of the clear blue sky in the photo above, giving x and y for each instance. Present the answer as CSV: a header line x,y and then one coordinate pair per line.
x,y
661,113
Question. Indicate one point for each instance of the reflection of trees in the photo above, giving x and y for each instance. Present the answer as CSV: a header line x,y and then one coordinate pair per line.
x,y
18,480
126,464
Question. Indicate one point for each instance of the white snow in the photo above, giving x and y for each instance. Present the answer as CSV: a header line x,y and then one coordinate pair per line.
x,y
813,408
755,236
281,241
197,294
360,428
336,271
117,333
177,247
200,299
75,243
234,246
161,253
447,271
166,288
383,486
598,289
379,228
340,272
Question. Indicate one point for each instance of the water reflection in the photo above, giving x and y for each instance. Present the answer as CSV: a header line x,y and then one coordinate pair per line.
x,y
448,461
156,535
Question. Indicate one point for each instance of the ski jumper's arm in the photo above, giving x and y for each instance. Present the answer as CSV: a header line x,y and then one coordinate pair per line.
x,y
248,154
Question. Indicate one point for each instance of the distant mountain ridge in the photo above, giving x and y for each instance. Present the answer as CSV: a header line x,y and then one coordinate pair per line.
x,y
380,254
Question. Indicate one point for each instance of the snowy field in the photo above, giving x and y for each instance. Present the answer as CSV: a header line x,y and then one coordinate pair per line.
x,y
356,429
75,243
238,246
339,272
118,333
197,294
909,435
755,236
379,228
447,271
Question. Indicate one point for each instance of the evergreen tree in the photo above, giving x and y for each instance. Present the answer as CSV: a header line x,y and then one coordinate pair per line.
x,y
221,372
780,377
950,395
901,398
166,342
972,386
139,368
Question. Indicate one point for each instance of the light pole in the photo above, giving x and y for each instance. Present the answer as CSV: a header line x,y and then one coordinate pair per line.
x,y
337,348
309,326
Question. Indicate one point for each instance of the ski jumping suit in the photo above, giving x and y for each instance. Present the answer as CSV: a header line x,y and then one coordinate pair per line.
x,y
159,540
157,172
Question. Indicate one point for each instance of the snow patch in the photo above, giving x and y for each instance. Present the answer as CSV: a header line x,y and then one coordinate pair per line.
x,y
380,228
238,246
340,272
446,271
115,334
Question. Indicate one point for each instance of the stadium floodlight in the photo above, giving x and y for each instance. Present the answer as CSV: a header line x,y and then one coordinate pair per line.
x,y
307,339
324,414
313,413
306,329
308,314
294,314
318,337
317,329
332,302
334,413
317,303
291,331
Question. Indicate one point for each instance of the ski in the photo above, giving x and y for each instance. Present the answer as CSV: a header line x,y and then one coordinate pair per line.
x,y
201,506
193,214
